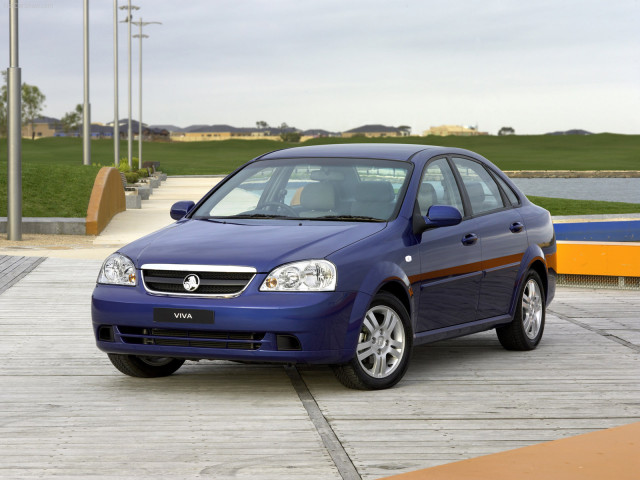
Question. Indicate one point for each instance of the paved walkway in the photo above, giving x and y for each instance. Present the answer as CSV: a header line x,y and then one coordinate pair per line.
x,y
123,228
65,411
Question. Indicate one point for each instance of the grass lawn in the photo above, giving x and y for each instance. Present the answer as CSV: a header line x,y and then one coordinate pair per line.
x,y
55,183
562,206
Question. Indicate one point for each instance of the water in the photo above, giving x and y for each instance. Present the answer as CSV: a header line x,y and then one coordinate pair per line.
x,y
607,189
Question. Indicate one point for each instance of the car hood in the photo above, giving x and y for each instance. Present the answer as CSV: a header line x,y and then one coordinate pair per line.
x,y
253,244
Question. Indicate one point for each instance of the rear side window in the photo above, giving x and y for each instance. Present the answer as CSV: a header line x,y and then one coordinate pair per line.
x,y
513,198
484,194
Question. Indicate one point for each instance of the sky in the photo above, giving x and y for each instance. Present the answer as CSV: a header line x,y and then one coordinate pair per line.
x,y
537,66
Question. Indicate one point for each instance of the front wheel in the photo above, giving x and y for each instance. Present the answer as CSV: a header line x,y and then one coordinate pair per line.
x,y
145,367
384,346
525,331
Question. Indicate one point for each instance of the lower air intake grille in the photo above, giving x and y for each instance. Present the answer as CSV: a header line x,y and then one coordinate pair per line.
x,y
191,338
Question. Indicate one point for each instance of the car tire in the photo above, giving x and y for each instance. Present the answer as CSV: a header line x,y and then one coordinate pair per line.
x,y
525,331
384,347
145,367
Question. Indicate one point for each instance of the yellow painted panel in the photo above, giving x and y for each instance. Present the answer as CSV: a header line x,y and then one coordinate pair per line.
x,y
590,258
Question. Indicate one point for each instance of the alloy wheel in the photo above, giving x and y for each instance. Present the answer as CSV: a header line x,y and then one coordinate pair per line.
x,y
532,309
381,344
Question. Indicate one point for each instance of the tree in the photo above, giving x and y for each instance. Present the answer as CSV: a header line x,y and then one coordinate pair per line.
x,y
72,120
506,131
289,134
32,104
405,130
261,124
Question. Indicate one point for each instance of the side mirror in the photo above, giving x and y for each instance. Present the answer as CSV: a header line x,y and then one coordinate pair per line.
x,y
443,216
180,209
437,216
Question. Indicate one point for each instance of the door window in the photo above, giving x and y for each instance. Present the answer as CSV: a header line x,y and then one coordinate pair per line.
x,y
438,187
484,194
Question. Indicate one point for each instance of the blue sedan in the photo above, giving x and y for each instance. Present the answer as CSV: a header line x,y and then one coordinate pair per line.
x,y
346,255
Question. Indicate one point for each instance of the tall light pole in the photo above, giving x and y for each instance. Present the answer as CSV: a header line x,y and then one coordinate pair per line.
x,y
141,36
129,19
86,109
14,140
116,119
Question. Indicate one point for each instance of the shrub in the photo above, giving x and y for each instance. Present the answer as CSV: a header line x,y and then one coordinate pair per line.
x,y
132,177
143,173
124,165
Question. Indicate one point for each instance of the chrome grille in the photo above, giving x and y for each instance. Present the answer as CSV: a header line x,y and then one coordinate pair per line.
x,y
216,281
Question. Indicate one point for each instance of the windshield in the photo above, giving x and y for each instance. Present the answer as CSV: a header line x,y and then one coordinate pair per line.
x,y
314,189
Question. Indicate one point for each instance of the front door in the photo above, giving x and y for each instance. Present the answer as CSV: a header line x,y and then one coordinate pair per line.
x,y
450,257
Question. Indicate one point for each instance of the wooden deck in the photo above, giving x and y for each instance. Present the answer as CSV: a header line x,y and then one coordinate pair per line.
x,y
66,412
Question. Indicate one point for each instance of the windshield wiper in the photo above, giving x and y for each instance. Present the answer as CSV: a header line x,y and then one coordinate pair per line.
x,y
349,218
260,215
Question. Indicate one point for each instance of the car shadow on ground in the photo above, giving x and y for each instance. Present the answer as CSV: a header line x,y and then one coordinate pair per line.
x,y
205,377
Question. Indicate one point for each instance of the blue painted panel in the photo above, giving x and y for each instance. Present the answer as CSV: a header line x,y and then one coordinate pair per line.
x,y
624,231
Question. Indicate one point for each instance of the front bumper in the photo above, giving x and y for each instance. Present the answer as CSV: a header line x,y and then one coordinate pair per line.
x,y
249,327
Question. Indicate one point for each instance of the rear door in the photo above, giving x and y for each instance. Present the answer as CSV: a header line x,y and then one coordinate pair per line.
x,y
502,233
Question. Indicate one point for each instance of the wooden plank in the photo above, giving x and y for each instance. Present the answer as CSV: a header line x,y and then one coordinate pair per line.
x,y
468,397
65,411
13,269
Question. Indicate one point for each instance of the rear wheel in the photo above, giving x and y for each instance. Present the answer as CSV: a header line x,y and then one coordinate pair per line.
x,y
525,331
384,345
145,367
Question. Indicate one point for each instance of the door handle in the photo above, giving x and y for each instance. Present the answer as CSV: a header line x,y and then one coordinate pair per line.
x,y
516,227
469,239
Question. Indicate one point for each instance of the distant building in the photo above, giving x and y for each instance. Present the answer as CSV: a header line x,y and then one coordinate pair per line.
x,y
316,133
42,127
455,130
373,131
153,133
206,133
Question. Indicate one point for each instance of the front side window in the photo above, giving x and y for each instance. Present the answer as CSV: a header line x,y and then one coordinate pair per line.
x,y
438,187
325,189
484,194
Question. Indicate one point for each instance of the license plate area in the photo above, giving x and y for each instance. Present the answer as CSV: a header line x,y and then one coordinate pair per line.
x,y
183,315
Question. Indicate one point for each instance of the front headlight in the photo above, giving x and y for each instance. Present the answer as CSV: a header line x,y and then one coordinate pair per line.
x,y
118,270
307,276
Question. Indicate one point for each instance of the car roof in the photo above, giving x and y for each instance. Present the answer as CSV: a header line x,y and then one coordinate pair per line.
x,y
386,151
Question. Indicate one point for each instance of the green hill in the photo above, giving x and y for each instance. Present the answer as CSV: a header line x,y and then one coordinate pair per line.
x,y
55,183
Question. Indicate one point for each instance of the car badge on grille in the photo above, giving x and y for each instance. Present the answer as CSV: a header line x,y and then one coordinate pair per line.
x,y
191,283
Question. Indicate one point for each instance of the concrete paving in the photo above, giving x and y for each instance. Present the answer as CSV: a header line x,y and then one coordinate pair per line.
x,y
154,214
123,228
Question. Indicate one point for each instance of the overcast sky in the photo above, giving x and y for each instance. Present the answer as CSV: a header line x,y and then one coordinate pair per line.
x,y
537,66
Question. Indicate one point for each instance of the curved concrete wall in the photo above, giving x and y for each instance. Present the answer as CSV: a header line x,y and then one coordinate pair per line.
x,y
107,199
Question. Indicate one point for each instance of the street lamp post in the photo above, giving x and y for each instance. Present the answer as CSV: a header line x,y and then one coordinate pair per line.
x,y
141,36
86,109
129,19
14,133
116,119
